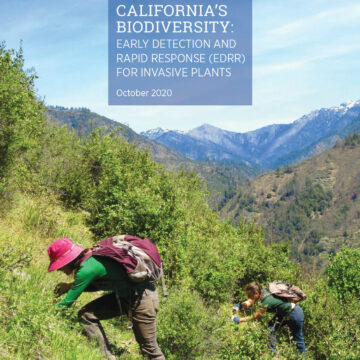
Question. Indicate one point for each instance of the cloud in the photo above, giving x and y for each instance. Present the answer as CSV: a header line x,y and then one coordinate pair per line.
x,y
330,18
322,53
309,29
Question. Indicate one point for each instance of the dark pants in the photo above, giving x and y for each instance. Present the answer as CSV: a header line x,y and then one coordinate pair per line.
x,y
295,321
143,310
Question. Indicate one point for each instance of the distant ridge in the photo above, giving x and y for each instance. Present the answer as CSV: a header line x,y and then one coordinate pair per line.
x,y
268,147
221,178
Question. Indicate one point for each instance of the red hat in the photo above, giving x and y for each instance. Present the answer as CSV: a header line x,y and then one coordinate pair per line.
x,y
62,252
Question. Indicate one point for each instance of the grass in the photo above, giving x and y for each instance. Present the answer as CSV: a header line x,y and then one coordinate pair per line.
x,y
32,328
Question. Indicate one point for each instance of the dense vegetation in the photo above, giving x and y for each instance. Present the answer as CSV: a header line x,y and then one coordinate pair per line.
x,y
308,203
56,184
221,178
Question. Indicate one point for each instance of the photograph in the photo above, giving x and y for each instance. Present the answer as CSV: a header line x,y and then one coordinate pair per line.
x,y
180,180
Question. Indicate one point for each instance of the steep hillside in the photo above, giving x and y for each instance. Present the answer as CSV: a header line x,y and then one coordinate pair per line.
x,y
314,205
32,328
321,145
55,184
84,121
268,147
221,178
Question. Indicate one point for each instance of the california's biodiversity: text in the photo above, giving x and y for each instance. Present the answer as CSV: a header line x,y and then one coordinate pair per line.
x,y
171,10
188,19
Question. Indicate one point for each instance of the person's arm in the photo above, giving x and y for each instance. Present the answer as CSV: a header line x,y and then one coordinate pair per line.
x,y
90,271
255,317
248,303
243,305
62,288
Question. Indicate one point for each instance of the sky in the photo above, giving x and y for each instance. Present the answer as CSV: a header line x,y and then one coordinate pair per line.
x,y
305,57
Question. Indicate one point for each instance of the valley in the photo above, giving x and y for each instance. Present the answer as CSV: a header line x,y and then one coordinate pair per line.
x,y
312,205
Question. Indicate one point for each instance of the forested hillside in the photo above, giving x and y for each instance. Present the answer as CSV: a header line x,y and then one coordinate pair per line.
x,y
54,184
221,178
315,205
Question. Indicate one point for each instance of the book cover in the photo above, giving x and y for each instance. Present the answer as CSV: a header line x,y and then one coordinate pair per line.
x,y
226,132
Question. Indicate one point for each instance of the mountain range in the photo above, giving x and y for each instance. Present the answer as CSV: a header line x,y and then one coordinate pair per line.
x,y
269,147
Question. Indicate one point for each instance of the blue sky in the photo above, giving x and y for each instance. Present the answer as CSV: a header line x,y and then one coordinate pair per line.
x,y
306,56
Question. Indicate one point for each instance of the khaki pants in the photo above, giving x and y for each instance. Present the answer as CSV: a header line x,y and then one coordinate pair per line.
x,y
144,307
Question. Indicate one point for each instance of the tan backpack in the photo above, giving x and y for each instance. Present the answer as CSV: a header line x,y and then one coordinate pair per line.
x,y
285,291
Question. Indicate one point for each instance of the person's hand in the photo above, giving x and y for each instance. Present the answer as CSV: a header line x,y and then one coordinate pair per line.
x,y
237,307
62,288
235,319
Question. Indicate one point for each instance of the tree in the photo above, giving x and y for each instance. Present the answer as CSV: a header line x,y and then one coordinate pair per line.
x,y
21,113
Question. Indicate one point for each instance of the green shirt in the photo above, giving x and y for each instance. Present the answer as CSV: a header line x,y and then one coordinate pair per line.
x,y
275,305
98,273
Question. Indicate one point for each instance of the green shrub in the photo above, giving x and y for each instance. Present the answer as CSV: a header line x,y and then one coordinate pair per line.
x,y
246,341
21,113
343,274
131,194
187,328
330,327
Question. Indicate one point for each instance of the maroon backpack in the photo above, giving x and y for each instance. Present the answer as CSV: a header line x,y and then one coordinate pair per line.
x,y
140,257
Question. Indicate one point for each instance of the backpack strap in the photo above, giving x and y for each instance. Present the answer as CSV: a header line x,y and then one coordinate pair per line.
x,y
86,256
264,296
165,293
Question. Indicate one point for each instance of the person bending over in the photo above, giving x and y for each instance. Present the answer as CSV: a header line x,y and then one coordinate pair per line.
x,y
102,273
285,313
